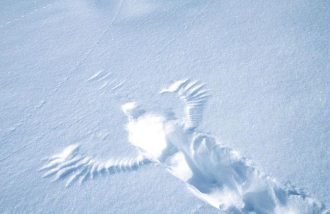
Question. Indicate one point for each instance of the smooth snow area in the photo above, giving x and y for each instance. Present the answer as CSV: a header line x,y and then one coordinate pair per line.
x,y
67,67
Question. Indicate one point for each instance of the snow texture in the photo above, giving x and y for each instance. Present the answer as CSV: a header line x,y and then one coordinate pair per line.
x,y
212,172
67,69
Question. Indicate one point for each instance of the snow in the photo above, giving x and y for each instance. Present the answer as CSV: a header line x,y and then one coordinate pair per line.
x,y
68,66
211,171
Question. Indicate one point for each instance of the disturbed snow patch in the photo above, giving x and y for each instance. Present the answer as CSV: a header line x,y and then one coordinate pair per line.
x,y
213,172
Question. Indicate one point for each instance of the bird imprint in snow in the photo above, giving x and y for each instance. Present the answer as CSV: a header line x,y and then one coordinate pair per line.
x,y
212,172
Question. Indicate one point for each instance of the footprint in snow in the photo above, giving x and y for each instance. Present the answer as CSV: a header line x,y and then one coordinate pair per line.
x,y
213,172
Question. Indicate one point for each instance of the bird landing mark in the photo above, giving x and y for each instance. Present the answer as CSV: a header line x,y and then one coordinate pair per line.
x,y
213,172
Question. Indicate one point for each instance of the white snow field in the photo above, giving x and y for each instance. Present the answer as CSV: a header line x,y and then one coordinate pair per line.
x,y
71,72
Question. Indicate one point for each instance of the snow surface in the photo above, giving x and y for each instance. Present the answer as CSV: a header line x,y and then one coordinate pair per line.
x,y
67,67
212,171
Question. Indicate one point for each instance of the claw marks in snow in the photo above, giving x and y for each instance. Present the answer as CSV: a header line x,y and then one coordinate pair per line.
x,y
213,172
72,166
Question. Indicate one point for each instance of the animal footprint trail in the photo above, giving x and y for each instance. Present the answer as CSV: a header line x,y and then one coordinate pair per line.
x,y
212,171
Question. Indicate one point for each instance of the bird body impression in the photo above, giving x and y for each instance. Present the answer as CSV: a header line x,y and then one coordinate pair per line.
x,y
213,172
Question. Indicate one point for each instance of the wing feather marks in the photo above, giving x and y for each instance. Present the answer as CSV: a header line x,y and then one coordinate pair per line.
x,y
194,96
78,167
